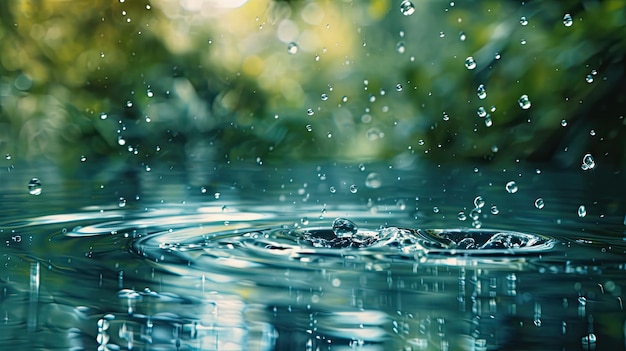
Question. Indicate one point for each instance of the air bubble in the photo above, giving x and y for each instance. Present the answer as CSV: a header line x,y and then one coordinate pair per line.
x,y
524,102
470,63
407,8
34,186
511,187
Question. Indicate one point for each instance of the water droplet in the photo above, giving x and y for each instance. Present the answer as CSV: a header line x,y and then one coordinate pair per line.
x,y
481,91
398,87
442,34
475,213
292,48
400,48
309,128
34,186
149,93
523,21
479,202
122,202
121,141
470,63
129,103
494,210
83,158
589,79
103,115
497,56
373,181
354,188
524,102
567,20
462,36
461,216
539,204
304,221
310,112
436,209
481,112
407,8
332,190
7,156
582,211
446,117
563,123
324,97
588,162
488,121
344,227
523,41
344,98
511,187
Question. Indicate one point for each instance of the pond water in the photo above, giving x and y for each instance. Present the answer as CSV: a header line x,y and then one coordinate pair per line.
x,y
313,257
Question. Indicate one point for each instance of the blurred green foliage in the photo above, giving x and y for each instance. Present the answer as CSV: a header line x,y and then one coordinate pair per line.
x,y
191,80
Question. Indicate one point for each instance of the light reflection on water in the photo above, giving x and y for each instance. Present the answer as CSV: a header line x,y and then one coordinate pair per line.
x,y
181,269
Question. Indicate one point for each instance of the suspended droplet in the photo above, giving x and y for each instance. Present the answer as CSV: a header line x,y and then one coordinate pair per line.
x,y
582,211
400,47
83,158
354,188
481,112
589,79
567,20
344,227
563,123
479,202
373,181
523,21
129,103
34,186
539,204
588,162
488,121
309,128
524,102
292,48
481,91
324,97
494,210
462,36
121,202
407,8
310,112
461,216
511,187
398,87
497,56
103,115
149,93
470,63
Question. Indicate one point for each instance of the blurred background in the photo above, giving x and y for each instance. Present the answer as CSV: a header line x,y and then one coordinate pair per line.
x,y
140,82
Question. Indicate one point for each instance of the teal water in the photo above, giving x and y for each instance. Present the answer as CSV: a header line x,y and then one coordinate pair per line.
x,y
246,258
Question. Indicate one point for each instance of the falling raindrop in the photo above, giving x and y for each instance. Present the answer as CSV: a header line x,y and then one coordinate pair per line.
x,y
582,211
479,202
292,48
481,91
523,21
494,210
461,216
524,102
470,63
588,162
34,186
539,204
511,187
373,180
407,8
567,20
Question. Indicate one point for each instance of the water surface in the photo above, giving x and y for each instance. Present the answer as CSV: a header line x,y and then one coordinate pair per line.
x,y
252,258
